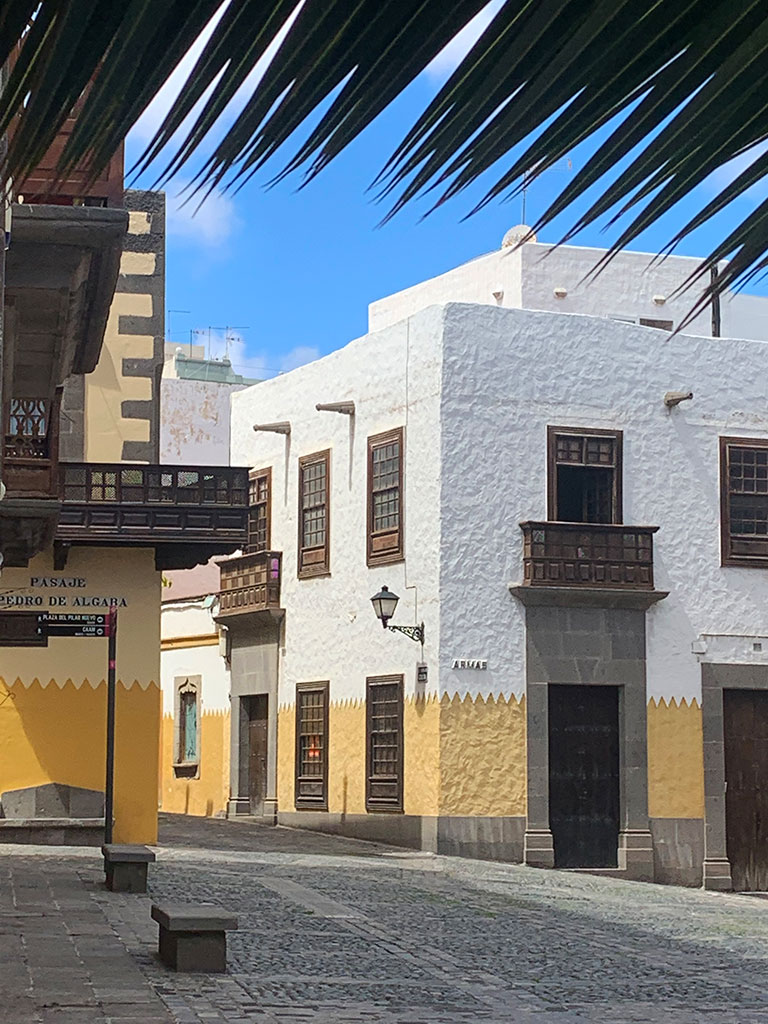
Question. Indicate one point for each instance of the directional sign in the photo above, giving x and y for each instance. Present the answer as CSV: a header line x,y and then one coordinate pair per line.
x,y
75,625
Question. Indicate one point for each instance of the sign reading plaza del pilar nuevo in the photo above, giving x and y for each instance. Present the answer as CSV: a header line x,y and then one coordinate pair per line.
x,y
59,592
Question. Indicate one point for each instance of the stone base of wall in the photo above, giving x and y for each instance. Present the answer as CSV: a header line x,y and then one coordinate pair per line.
x,y
53,831
678,843
482,838
678,850
392,829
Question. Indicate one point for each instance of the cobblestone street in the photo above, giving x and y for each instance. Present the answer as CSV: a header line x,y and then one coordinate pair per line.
x,y
335,930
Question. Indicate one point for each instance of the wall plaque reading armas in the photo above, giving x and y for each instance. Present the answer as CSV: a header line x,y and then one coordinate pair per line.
x,y
480,664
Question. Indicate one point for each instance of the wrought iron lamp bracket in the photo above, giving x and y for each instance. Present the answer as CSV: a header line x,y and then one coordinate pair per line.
x,y
413,632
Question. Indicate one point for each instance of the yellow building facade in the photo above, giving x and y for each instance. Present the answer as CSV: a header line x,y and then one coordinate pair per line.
x,y
109,522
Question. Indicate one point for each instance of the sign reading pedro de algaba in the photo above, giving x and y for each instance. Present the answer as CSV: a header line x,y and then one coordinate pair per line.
x,y
59,592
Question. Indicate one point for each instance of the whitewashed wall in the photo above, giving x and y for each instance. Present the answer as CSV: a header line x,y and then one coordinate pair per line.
x,y
510,373
475,281
527,277
394,379
192,619
194,421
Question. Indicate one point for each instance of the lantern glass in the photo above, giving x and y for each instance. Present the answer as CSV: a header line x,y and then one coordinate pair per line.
x,y
384,604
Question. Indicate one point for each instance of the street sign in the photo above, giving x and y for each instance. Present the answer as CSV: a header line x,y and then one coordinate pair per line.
x,y
75,625
22,629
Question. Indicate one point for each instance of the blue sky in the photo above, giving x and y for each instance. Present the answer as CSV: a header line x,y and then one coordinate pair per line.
x,y
293,271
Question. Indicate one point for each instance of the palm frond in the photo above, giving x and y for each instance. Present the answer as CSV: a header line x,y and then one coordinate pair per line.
x,y
681,84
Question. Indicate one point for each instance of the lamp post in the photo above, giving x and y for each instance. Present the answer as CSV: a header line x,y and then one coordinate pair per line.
x,y
384,604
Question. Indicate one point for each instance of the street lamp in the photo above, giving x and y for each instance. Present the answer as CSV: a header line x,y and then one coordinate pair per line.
x,y
384,604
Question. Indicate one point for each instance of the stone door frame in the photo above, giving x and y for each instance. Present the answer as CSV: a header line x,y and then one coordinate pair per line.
x,y
592,646
716,677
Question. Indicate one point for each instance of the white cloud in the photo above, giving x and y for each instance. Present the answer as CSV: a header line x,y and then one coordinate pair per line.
x,y
298,357
154,115
209,224
449,58
220,343
149,122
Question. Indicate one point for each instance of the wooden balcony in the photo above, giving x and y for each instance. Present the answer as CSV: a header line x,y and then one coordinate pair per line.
x,y
592,556
187,514
250,585
30,463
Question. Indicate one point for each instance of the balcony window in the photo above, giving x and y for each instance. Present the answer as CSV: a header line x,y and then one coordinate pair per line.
x,y
259,510
584,475
744,501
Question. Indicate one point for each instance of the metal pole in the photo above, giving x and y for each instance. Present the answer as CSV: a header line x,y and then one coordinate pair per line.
x,y
109,788
713,275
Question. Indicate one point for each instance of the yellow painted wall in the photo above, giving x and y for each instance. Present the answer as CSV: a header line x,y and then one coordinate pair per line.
x,y
482,756
346,757
106,388
58,734
428,740
53,699
286,756
206,795
675,760
421,768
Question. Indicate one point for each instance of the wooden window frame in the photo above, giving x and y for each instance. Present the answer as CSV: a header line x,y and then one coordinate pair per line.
x,y
255,474
618,437
397,552
727,557
372,804
188,684
323,566
311,803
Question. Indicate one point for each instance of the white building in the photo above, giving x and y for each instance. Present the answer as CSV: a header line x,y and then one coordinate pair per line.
x,y
553,654
194,429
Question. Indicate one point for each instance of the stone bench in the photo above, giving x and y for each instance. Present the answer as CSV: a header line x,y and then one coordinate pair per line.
x,y
125,867
193,936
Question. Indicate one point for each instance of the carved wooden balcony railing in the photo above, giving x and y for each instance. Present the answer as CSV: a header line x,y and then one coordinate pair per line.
x,y
187,513
31,445
250,583
593,555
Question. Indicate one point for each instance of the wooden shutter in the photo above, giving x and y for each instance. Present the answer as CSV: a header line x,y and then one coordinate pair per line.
x,y
384,743
311,789
744,501
314,514
385,498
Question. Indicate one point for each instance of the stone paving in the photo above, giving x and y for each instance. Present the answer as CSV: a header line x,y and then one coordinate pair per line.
x,y
332,930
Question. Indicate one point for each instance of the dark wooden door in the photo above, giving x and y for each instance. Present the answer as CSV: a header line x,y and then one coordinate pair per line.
x,y
745,732
257,752
584,775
